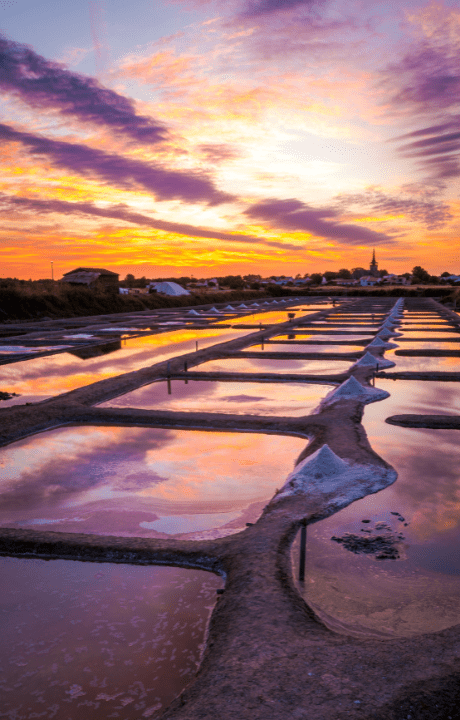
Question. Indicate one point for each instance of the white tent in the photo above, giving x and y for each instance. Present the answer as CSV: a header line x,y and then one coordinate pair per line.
x,y
170,288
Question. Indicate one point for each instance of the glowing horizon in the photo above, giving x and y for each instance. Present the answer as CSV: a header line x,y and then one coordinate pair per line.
x,y
209,138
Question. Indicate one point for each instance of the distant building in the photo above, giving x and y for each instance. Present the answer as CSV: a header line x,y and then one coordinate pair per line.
x,y
169,288
368,281
395,280
94,278
373,267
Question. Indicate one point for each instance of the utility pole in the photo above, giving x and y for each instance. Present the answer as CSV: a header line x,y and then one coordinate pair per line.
x,y
52,271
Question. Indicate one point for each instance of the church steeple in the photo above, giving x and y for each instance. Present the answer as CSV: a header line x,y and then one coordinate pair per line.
x,y
373,268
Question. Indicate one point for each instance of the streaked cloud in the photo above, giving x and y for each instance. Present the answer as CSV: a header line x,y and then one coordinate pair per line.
x,y
256,8
430,212
120,171
123,213
324,222
44,84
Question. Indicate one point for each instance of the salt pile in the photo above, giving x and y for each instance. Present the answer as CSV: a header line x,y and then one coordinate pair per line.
x,y
214,311
324,473
386,333
254,305
193,312
229,307
351,389
369,360
379,343
243,306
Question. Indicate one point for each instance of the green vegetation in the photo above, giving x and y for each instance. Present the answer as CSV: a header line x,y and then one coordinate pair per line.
x,y
35,300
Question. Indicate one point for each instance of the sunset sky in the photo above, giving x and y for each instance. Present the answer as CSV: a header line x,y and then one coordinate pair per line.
x,y
248,136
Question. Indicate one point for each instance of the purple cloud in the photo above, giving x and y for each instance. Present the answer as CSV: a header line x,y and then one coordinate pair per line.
x,y
427,211
121,212
45,84
295,215
121,171
219,152
429,78
452,124
437,149
255,8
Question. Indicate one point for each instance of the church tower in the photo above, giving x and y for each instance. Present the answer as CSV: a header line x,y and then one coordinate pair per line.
x,y
373,268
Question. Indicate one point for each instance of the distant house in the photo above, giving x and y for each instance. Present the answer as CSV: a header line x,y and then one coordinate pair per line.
x,y
392,279
94,278
368,281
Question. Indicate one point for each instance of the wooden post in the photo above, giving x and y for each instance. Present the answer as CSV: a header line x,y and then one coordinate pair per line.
x,y
303,550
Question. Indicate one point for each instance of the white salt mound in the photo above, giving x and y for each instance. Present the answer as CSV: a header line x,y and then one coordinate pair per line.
x,y
323,462
325,473
193,312
352,389
229,307
378,342
369,360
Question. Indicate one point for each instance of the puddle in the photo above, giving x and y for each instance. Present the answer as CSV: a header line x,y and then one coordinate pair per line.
x,y
359,594
35,380
284,399
422,345
302,335
343,326
429,333
422,364
276,316
142,481
301,348
26,350
98,640
265,365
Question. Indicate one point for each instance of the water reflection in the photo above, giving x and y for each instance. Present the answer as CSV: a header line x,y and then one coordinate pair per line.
x,y
301,348
422,345
421,364
92,641
275,316
38,379
262,365
420,592
293,399
302,335
133,481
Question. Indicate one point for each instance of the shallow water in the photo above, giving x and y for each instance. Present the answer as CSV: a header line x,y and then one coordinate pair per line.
x,y
270,317
265,365
302,336
422,345
89,641
35,380
336,325
419,592
443,331
422,364
302,348
226,397
141,481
